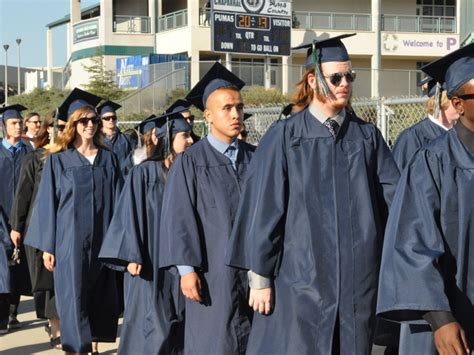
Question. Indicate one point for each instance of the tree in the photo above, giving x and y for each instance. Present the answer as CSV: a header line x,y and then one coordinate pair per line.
x,y
101,82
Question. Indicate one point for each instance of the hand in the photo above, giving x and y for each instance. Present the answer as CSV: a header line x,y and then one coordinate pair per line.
x,y
48,261
450,339
261,300
16,238
134,269
191,286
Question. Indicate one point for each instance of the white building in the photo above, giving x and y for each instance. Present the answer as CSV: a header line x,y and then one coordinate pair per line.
x,y
411,33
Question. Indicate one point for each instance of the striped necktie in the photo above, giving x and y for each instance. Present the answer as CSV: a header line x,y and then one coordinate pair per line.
x,y
332,126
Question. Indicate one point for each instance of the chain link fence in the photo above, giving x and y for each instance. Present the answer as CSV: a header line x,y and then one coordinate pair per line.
x,y
391,115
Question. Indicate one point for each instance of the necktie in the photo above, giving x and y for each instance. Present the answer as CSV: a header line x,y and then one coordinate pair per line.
x,y
13,149
332,126
230,153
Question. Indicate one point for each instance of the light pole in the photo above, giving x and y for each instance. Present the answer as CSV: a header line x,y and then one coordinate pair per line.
x,y
18,41
6,46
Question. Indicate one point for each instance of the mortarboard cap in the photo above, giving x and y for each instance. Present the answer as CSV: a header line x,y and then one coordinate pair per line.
x,y
12,111
176,123
147,124
428,85
178,106
77,99
454,69
326,50
108,106
247,116
216,78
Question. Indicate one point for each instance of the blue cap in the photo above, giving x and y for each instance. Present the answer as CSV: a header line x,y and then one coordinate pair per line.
x,y
77,99
176,123
108,106
12,111
247,116
454,69
430,83
179,106
327,50
217,77
146,125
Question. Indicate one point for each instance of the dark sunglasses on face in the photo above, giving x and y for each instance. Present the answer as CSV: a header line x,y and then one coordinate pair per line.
x,y
60,126
85,120
466,97
113,118
336,78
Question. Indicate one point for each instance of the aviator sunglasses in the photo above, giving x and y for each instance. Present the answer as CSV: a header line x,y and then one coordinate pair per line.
x,y
85,120
336,78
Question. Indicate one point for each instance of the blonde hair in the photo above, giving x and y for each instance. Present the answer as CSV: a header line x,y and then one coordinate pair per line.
x,y
430,104
304,92
66,140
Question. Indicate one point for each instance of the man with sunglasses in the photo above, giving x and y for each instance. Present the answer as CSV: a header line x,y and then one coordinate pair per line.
x,y
114,139
427,273
311,218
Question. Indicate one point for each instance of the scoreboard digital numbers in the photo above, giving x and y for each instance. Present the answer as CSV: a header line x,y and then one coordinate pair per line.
x,y
261,27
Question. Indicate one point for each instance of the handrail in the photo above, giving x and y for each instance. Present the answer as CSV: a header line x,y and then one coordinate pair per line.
x,y
172,20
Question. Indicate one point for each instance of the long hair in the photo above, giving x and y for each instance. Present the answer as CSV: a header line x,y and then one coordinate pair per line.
x,y
304,92
66,140
43,134
430,103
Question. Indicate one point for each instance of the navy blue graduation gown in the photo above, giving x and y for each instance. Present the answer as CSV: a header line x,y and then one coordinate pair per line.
x,y
407,144
4,243
121,146
154,308
428,251
199,208
412,139
9,175
71,213
312,215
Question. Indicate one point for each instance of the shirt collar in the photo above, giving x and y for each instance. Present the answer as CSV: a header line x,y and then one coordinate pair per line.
x,y
339,117
7,145
436,122
219,145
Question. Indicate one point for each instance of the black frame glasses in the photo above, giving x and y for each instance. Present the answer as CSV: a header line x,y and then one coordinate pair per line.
x,y
466,97
85,120
336,78
113,118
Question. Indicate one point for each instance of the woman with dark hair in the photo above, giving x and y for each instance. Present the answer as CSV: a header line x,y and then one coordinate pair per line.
x,y
41,279
153,310
71,214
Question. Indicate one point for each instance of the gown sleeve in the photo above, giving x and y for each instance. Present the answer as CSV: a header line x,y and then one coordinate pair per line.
x,y
123,241
405,147
41,232
180,230
23,194
410,279
257,237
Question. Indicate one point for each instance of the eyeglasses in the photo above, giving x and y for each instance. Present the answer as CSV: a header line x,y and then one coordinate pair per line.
x,y
113,118
466,97
85,120
336,78
60,126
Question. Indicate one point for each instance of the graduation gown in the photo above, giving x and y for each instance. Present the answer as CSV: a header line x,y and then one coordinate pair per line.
x,y
71,213
41,279
413,138
9,175
199,208
121,146
312,215
428,252
407,144
4,243
154,305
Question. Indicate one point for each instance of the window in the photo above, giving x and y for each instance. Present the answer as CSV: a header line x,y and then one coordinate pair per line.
x,y
431,10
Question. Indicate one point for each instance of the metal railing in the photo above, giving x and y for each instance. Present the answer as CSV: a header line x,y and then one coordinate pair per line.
x,y
427,24
131,24
331,21
172,21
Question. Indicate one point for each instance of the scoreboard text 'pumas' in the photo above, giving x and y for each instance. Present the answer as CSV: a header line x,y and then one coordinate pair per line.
x,y
251,26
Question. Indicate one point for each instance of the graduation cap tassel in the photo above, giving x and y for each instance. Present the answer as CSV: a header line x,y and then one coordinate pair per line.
x,y
168,138
437,105
55,127
319,76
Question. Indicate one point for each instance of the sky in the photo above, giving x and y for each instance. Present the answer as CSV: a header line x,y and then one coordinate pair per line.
x,y
27,19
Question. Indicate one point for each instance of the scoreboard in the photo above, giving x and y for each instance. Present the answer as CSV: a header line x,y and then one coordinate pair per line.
x,y
251,26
